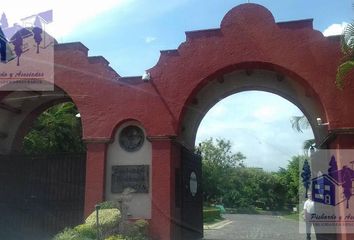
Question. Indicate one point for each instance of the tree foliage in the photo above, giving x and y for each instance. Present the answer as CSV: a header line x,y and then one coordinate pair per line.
x,y
228,181
347,185
299,124
219,152
37,32
333,168
290,178
347,44
3,21
17,41
218,161
306,176
56,130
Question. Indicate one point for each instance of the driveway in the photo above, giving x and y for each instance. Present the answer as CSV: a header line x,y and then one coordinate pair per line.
x,y
255,227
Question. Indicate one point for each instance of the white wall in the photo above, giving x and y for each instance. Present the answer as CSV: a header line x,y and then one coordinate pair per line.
x,y
140,205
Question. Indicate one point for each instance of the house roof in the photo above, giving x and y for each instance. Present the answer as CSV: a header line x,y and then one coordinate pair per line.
x,y
16,28
327,177
23,32
46,17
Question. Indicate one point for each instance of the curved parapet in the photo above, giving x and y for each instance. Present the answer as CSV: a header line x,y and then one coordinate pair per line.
x,y
249,38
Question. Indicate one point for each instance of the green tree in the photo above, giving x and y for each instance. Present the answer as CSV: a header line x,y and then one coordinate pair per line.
x,y
218,161
247,188
347,44
290,177
225,177
219,153
56,130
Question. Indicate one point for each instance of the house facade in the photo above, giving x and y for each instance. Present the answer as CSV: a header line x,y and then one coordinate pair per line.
x,y
326,190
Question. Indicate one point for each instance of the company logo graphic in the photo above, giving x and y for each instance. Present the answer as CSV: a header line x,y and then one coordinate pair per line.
x,y
326,186
26,54
329,176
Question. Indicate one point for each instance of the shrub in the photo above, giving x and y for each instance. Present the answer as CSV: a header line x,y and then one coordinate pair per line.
x,y
86,231
108,218
108,221
81,232
138,230
116,237
67,234
211,214
109,205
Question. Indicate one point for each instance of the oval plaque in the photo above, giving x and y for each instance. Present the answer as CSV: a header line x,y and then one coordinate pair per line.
x,y
193,184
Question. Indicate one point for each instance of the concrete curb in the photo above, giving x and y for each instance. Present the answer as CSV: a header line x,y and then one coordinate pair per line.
x,y
217,225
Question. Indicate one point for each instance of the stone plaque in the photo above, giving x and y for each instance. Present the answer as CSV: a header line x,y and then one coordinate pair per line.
x,y
131,138
130,176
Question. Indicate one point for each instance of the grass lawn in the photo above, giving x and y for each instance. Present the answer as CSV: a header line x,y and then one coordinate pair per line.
x,y
212,221
211,215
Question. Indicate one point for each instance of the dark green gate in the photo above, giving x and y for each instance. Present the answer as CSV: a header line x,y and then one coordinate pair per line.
x,y
40,195
191,195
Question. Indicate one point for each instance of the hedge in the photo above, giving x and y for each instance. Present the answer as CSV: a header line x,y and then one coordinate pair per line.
x,y
211,214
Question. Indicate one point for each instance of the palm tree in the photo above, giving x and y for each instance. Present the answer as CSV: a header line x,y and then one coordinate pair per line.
x,y
347,43
308,144
300,123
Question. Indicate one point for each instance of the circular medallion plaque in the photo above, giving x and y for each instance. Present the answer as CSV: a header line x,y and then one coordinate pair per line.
x,y
131,138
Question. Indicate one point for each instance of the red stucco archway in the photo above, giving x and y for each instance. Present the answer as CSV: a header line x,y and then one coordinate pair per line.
x,y
250,39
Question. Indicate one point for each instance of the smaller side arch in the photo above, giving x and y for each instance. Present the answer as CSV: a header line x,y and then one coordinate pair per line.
x,y
20,109
27,123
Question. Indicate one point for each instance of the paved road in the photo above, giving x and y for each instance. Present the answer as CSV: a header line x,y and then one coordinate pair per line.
x,y
256,227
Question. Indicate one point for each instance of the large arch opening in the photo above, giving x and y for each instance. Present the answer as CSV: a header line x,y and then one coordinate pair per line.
x,y
43,164
220,87
259,124
224,85
249,152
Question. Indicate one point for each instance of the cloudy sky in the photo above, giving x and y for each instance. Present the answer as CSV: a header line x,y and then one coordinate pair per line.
x,y
130,34
258,125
